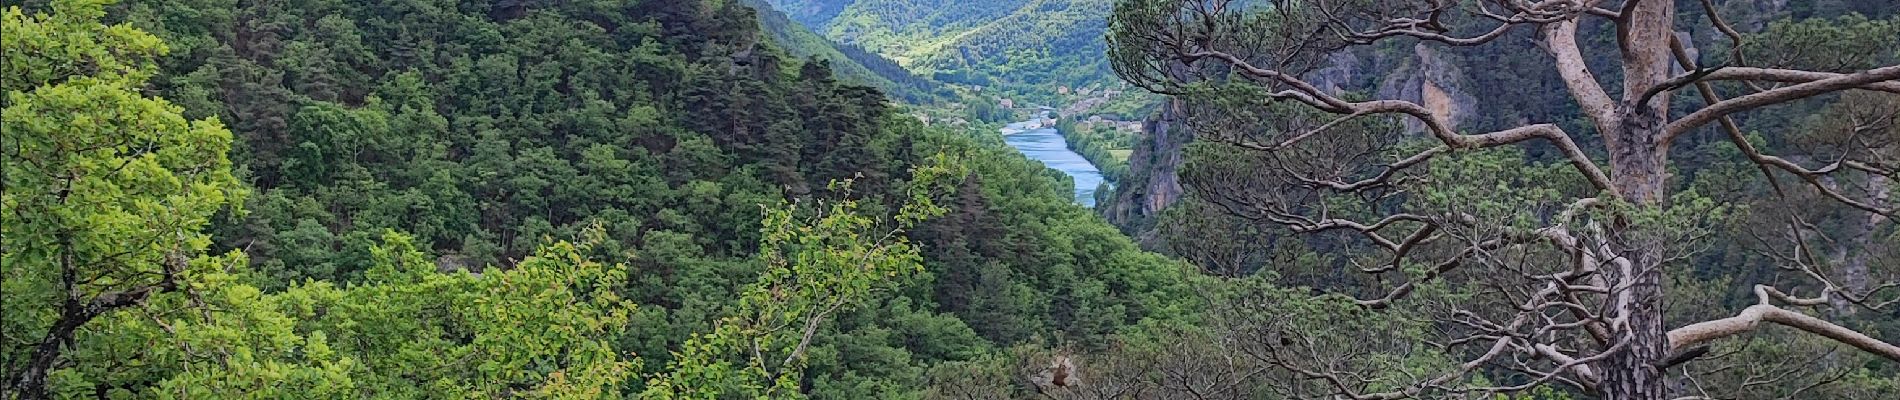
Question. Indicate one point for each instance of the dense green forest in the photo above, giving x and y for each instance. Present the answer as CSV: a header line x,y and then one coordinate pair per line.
x,y
559,200
724,199
1102,144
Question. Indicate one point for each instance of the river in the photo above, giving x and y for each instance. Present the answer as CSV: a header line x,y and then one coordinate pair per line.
x,y
1046,145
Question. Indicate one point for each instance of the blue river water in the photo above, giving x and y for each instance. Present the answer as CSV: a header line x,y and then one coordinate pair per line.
x,y
1047,146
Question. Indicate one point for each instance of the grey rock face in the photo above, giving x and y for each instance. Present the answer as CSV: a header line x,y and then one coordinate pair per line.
x,y
1154,181
1431,79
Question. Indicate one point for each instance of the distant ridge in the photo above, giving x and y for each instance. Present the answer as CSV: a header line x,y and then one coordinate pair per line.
x,y
852,63
1037,45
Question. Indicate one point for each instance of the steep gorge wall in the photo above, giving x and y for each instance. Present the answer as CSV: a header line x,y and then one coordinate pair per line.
x,y
1424,75
1502,84
1153,182
1432,79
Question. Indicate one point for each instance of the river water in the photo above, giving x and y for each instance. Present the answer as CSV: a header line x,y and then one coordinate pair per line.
x,y
1047,146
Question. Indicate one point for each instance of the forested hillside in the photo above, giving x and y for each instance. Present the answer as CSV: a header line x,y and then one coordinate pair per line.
x,y
852,63
815,13
564,199
710,199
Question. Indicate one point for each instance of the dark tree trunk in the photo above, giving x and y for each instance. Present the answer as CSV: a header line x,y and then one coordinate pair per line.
x,y
31,384
1638,162
1636,373
74,313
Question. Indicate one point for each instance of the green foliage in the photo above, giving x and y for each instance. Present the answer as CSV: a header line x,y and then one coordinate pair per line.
x,y
816,13
514,125
541,329
1039,46
1030,47
852,62
907,28
814,269
1015,246
651,133
1099,144
106,190
1845,44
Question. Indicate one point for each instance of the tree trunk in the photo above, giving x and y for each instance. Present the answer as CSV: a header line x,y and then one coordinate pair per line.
x,y
73,314
1636,372
1638,163
31,384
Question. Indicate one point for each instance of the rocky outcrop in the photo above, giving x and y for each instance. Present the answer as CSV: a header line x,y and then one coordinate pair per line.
x,y
1428,76
1431,79
1341,70
1153,182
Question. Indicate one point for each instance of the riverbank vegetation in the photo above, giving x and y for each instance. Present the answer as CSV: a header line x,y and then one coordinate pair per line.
x,y
1101,142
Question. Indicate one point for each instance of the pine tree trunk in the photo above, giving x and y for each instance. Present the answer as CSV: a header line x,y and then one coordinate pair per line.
x,y
1638,162
1635,373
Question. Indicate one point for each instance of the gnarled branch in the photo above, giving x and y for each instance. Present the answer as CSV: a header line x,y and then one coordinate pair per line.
x,y
1753,316
1777,96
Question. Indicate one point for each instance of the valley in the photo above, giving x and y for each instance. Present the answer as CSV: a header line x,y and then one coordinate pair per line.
x,y
1044,144
949,199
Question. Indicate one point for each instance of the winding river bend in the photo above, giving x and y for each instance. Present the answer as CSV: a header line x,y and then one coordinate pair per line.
x,y
1046,145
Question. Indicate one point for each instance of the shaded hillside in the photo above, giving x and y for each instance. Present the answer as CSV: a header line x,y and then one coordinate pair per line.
x,y
850,62
1031,45
1048,43
811,13
387,145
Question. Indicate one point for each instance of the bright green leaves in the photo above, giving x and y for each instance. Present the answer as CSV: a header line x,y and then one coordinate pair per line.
x,y
542,329
105,190
818,264
398,262
121,176
815,268
46,49
551,320
92,158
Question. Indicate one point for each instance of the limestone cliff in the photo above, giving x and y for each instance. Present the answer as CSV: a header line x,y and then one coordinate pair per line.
x,y
1153,182
1431,78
